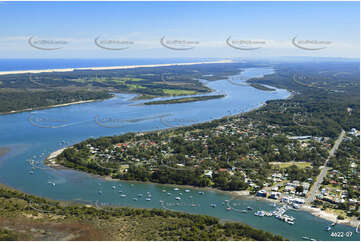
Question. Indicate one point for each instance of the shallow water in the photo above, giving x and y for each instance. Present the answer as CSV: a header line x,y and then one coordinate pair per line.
x,y
34,135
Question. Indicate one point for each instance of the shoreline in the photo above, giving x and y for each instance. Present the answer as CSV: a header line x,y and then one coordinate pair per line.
x,y
242,194
49,161
110,67
317,212
51,106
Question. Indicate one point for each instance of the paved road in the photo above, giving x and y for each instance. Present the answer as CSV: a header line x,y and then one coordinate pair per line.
x,y
316,186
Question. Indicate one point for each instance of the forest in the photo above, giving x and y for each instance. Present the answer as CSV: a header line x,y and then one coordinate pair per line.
x,y
89,222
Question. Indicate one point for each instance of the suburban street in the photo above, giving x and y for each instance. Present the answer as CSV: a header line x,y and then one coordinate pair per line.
x,y
316,186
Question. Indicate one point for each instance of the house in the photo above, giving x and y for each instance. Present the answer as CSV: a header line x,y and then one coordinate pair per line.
x,y
288,188
275,195
262,193
208,173
275,189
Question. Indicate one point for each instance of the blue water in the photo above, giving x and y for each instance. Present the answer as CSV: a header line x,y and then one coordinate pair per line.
x,y
40,64
33,135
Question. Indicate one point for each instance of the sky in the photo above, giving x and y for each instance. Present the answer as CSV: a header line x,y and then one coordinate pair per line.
x,y
188,29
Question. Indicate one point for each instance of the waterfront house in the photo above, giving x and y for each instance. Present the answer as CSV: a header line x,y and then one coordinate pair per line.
x,y
262,193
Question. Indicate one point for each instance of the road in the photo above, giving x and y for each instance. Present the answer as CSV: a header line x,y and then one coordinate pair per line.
x,y
316,186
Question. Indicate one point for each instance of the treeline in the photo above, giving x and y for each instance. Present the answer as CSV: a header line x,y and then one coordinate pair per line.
x,y
20,100
165,224
326,96
184,100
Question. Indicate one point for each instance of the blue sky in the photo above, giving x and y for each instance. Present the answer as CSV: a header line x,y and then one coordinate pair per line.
x,y
335,25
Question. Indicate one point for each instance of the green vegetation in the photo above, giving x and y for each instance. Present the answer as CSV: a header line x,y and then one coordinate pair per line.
x,y
15,100
53,220
236,153
262,87
31,91
342,183
7,235
180,92
301,165
185,100
323,103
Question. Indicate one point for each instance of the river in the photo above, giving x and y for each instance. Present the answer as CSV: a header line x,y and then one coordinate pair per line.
x,y
34,135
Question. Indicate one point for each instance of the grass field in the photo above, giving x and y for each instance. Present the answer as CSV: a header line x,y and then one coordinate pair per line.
x,y
178,92
283,165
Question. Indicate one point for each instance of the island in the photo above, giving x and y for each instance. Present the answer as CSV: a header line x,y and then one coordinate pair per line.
x,y
185,100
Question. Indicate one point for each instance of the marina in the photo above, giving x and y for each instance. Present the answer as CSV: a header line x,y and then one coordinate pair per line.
x,y
26,157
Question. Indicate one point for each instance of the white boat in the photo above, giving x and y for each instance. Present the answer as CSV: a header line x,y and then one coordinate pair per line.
x,y
259,213
113,187
213,205
296,206
177,198
176,189
148,199
187,190
228,209
135,199
123,195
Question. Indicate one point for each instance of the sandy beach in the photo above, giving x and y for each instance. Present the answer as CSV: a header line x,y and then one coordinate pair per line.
x,y
51,159
330,216
52,106
111,67
244,194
